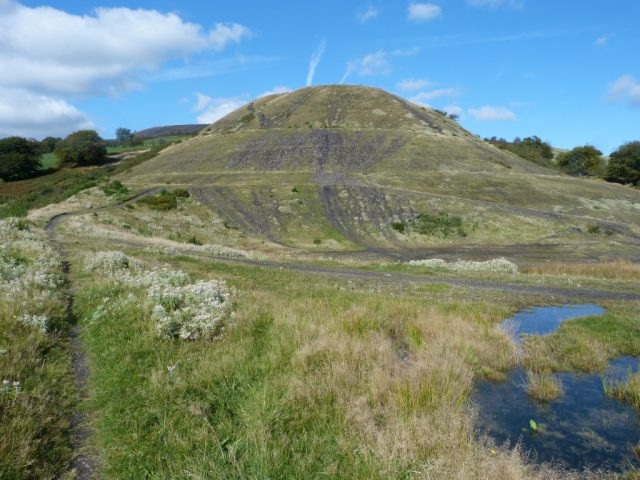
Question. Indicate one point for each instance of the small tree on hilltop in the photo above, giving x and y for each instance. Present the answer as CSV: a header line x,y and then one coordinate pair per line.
x,y
84,147
624,165
19,158
581,161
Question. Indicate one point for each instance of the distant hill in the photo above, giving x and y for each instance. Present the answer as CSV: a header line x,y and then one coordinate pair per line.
x,y
169,130
359,167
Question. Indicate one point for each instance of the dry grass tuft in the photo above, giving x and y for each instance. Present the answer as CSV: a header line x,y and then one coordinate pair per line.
x,y
543,386
616,270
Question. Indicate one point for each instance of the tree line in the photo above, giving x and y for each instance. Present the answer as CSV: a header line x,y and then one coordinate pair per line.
x,y
623,165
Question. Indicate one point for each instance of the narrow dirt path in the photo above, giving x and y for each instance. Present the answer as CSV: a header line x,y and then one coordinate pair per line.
x,y
84,466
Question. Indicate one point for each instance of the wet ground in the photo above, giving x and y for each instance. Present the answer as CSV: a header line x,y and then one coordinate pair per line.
x,y
583,428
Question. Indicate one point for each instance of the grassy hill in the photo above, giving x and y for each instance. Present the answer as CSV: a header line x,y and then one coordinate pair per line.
x,y
344,167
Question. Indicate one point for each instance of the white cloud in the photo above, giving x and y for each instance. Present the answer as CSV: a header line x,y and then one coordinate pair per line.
x,y
31,115
492,114
423,98
51,55
421,12
48,50
369,13
315,60
496,3
625,89
601,41
275,90
412,84
454,110
213,109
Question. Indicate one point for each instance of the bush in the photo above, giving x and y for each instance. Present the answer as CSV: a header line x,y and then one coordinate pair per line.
x,y
19,158
581,161
84,147
531,148
441,224
115,187
165,200
624,165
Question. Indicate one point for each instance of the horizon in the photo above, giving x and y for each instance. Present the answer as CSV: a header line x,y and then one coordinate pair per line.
x,y
71,65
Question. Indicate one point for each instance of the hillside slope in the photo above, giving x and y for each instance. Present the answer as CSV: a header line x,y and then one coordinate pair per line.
x,y
344,167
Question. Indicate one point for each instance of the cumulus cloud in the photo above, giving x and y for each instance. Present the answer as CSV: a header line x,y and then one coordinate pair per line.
x,y
275,91
496,3
625,89
315,60
31,115
367,14
423,98
49,50
492,114
51,54
412,84
422,12
213,109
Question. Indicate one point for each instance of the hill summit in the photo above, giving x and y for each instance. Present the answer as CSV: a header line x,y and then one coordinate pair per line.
x,y
348,167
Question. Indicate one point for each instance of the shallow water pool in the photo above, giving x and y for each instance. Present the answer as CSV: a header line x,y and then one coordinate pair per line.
x,y
584,428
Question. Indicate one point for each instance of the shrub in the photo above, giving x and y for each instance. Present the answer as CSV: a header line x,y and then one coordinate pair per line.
x,y
581,161
399,226
115,187
165,200
19,158
441,224
624,165
84,147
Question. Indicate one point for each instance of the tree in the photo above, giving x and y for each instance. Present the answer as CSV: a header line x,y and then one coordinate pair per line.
x,y
84,147
581,161
19,158
49,144
624,164
124,135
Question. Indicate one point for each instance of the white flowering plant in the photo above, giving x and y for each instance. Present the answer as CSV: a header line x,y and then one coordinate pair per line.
x,y
496,265
180,308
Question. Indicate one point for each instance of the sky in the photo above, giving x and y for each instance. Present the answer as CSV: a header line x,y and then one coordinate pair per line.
x,y
567,71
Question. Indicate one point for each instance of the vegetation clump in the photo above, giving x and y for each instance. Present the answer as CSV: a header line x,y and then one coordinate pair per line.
x,y
530,148
437,225
35,402
624,164
543,386
19,158
626,390
165,200
115,187
180,308
84,147
496,265
581,161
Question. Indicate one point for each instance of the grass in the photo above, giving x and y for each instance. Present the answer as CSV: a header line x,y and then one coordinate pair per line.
x,y
615,270
627,390
48,161
165,200
37,397
543,386
309,381
586,344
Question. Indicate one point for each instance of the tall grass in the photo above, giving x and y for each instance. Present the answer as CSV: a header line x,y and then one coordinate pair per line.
x,y
309,381
36,394
626,390
615,270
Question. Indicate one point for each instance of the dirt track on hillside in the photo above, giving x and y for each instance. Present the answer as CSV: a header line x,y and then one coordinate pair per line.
x,y
556,292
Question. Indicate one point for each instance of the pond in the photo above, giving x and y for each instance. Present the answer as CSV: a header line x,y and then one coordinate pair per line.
x,y
583,428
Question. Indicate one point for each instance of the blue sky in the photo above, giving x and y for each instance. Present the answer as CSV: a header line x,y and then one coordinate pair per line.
x,y
566,71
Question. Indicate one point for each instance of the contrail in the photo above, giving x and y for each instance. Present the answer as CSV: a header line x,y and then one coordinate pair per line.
x,y
315,60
